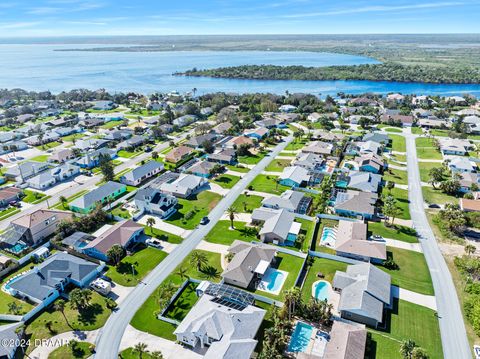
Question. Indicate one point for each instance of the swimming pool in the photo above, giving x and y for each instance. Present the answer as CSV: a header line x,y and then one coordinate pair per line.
x,y
321,290
328,237
300,338
17,248
272,281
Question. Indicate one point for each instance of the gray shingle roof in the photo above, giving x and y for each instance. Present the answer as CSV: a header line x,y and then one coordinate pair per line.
x,y
143,170
97,195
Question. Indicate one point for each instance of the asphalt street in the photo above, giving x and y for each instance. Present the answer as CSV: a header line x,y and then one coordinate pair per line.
x,y
110,336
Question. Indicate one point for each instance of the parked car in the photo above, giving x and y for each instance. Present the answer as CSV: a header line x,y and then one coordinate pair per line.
x,y
153,242
433,205
204,220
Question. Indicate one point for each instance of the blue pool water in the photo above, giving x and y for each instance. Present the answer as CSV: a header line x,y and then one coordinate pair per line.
x,y
18,248
328,236
274,279
321,291
300,338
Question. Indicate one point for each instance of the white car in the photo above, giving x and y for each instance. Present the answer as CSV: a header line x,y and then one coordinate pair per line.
x,y
154,242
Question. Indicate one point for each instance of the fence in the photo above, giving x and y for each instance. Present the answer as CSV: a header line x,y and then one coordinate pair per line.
x,y
337,218
10,318
334,257
285,250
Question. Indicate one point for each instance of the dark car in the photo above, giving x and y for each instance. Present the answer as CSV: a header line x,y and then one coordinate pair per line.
x,y
433,205
204,220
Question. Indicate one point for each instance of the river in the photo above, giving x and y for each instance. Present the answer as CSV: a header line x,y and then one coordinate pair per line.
x,y
40,67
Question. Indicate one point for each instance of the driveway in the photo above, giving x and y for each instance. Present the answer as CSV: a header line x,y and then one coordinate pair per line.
x,y
43,351
428,301
165,226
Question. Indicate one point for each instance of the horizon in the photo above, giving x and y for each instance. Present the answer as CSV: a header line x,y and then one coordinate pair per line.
x,y
79,18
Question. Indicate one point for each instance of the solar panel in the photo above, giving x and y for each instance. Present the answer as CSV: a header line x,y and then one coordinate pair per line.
x,y
230,296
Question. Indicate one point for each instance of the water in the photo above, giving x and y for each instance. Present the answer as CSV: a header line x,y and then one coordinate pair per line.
x,y
273,280
321,290
40,67
328,236
300,338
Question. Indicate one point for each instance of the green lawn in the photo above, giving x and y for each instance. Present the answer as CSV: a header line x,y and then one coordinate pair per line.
x,y
40,158
401,233
7,298
74,136
277,165
130,353
399,158
33,196
199,206
247,203
162,235
129,154
425,168
413,273
431,195
93,317
327,267
266,183
417,130
226,180
395,175
145,319
307,231
111,124
239,168
82,351
253,159
295,145
426,149
390,129
182,305
398,143
60,206
47,146
121,212
439,133
133,268
407,321
8,212
222,234
401,195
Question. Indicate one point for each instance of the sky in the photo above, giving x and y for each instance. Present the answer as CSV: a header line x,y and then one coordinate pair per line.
x,y
40,18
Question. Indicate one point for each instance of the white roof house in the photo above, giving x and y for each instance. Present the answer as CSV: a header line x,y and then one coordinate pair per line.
x,y
184,185
294,176
364,181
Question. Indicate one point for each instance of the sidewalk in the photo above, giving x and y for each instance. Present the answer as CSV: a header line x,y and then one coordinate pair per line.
x,y
415,298
164,226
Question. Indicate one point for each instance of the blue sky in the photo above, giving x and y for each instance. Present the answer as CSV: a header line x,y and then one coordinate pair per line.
x,y
160,17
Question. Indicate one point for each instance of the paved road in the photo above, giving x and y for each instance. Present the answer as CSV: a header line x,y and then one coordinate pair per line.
x,y
87,185
452,328
108,341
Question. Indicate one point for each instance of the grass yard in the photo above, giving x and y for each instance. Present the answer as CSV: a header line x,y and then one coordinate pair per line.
x,y
182,305
239,168
33,196
431,195
398,143
8,212
277,165
47,146
60,205
393,129
73,137
426,149
132,269
162,235
399,158
413,273
266,183
395,175
247,203
401,195
111,124
296,145
40,158
327,267
253,159
145,318
417,130
129,154
190,211
93,317
425,168
406,321
83,350
222,234
330,223
439,133
121,212
226,180
130,353
307,230
401,233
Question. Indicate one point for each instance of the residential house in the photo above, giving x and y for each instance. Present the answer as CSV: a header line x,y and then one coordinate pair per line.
x,y
185,120
184,186
239,141
467,180
45,282
396,97
178,154
25,170
278,226
355,204
10,337
364,293
124,234
294,176
9,194
257,133
118,135
107,192
361,148
370,163
198,141
249,263
311,162
363,101
223,157
404,120
347,341
470,205
133,142
201,169
92,159
103,105
206,111
222,128
53,176
351,241
429,123
13,146
287,108
166,128
325,136
454,146
292,201
462,164
91,144
364,181
319,148
381,138
142,173
223,323
152,201
46,137
62,155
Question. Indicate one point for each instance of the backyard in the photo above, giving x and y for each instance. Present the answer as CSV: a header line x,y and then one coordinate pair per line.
x,y
190,211
33,196
247,203
221,233
268,184
185,301
277,165
252,159
226,180
133,268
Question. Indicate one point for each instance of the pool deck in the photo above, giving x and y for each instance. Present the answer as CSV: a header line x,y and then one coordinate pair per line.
x,y
265,283
333,297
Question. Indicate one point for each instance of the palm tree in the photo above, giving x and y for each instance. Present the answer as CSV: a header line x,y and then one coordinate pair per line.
x,y
154,155
198,259
63,201
59,306
182,273
406,348
150,222
194,91
156,355
231,215
140,348
470,249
